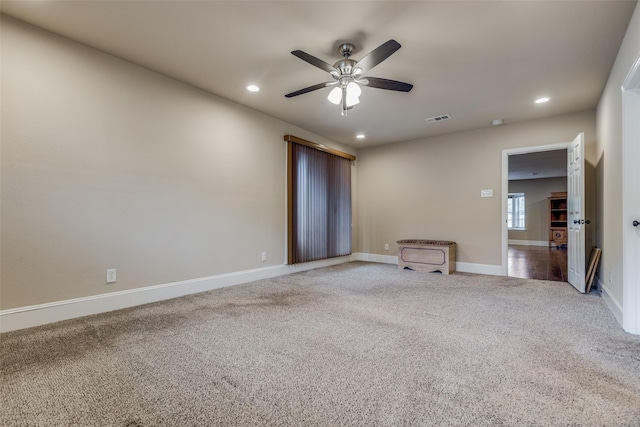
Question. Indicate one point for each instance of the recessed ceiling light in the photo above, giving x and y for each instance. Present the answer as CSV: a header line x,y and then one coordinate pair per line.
x,y
360,136
253,88
542,100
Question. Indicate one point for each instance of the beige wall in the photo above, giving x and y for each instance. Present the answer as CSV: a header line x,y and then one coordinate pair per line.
x,y
536,194
430,188
609,163
109,165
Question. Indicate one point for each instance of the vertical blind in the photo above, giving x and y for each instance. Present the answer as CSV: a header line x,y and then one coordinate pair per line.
x,y
319,185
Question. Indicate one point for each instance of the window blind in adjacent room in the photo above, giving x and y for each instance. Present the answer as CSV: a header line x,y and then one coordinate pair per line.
x,y
319,201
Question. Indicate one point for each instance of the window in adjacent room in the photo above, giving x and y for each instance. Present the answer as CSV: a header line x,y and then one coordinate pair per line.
x,y
319,201
515,211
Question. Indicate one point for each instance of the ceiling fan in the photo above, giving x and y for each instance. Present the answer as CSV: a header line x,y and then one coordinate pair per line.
x,y
348,74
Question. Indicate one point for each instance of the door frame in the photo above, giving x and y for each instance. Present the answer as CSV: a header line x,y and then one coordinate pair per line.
x,y
630,199
505,191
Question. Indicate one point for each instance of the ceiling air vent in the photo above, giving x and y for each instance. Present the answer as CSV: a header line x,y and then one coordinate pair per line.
x,y
438,118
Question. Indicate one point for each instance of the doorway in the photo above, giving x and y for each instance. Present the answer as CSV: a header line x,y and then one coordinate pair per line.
x,y
532,252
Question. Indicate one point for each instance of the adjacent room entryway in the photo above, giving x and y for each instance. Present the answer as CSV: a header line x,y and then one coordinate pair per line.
x,y
574,215
534,177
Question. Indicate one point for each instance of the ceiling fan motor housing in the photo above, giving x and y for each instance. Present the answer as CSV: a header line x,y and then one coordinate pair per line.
x,y
346,49
345,66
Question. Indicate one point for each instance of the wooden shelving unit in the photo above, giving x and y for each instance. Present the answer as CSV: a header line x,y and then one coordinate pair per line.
x,y
558,219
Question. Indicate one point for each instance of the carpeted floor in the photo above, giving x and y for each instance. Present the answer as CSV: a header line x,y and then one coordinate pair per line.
x,y
357,344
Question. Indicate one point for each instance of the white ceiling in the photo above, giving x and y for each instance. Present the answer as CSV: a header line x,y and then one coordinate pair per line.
x,y
475,60
538,165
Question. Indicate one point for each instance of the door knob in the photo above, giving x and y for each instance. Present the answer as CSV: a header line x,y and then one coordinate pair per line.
x,y
636,223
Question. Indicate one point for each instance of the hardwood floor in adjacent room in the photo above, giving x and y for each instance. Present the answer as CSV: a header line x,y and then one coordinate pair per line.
x,y
538,262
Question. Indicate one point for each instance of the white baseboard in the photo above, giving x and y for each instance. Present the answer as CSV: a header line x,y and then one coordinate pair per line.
x,y
611,301
463,267
467,267
384,259
529,242
42,314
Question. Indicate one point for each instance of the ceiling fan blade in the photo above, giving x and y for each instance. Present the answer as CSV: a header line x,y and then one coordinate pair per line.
x,y
377,55
315,61
386,84
309,89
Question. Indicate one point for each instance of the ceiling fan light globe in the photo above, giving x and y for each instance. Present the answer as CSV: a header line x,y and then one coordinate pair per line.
x,y
335,96
352,102
353,94
353,90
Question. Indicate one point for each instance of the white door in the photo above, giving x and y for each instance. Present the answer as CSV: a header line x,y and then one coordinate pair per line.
x,y
631,201
575,205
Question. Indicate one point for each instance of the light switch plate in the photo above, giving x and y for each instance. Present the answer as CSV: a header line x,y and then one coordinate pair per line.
x,y
111,275
486,193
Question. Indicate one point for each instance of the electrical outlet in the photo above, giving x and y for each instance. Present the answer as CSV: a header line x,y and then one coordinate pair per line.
x,y
386,246
610,277
111,275
264,256
486,193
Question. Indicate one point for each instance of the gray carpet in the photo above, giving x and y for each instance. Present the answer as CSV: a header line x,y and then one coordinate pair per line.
x,y
356,344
